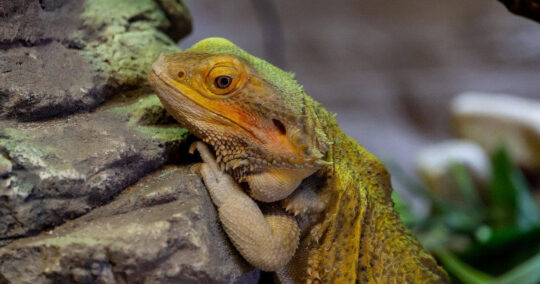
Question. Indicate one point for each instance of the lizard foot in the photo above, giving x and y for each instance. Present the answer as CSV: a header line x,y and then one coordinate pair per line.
x,y
303,201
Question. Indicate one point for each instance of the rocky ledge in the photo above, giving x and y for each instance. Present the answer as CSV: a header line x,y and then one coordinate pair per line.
x,y
94,179
159,230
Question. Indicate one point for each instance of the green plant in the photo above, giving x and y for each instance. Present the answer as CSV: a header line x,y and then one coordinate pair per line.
x,y
493,238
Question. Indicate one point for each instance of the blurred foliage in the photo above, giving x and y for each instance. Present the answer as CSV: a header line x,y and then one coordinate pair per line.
x,y
491,237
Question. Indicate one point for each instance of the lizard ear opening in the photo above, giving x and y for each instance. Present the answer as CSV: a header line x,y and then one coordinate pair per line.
x,y
279,125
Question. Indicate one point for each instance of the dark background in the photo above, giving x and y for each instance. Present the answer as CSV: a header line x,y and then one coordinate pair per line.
x,y
388,68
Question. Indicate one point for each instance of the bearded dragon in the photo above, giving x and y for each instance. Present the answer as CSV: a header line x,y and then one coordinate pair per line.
x,y
294,193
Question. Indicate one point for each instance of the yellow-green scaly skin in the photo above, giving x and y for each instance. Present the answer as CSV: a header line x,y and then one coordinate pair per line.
x,y
358,237
361,237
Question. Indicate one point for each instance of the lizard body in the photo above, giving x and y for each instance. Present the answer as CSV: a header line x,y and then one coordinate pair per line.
x,y
294,193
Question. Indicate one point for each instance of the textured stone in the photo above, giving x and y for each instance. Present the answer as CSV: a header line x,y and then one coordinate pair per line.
x,y
128,38
157,231
434,165
33,22
497,120
179,18
5,166
65,213
63,168
107,17
61,57
47,80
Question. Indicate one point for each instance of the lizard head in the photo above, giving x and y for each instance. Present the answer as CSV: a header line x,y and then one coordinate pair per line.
x,y
252,113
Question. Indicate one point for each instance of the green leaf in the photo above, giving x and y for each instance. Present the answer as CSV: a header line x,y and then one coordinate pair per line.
x,y
502,249
466,186
502,237
502,196
456,216
525,273
511,202
527,212
417,189
459,269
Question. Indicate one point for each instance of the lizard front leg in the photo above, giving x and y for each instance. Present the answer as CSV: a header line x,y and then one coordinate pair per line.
x,y
267,239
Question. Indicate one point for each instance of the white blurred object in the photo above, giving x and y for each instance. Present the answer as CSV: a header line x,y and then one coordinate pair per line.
x,y
434,165
494,120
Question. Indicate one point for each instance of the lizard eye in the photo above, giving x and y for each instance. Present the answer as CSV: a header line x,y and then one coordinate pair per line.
x,y
224,79
223,82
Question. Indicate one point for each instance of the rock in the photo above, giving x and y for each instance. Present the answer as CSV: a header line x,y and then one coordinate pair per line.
x,y
34,22
434,165
5,166
178,16
496,120
129,38
79,129
110,17
525,8
48,80
157,231
62,57
5,169
64,168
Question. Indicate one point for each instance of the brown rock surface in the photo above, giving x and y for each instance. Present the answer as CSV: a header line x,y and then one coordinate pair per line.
x,y
63,168
79,125
61,57
159,230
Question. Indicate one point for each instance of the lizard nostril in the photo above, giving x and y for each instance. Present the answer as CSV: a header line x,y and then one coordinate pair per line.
x,y
181,74
279,125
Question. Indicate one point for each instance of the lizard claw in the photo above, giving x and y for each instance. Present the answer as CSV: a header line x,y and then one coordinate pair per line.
x,y
236,164
290,208
194,147
206,155
303,201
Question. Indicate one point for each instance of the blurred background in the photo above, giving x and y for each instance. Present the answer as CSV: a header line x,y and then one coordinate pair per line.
x,y
387,68
390,70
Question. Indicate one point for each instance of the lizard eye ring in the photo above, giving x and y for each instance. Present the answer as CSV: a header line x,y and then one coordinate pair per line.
x,y
224,79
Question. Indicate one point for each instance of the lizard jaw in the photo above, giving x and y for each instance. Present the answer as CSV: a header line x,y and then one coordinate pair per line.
x,y
251,158
270,177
